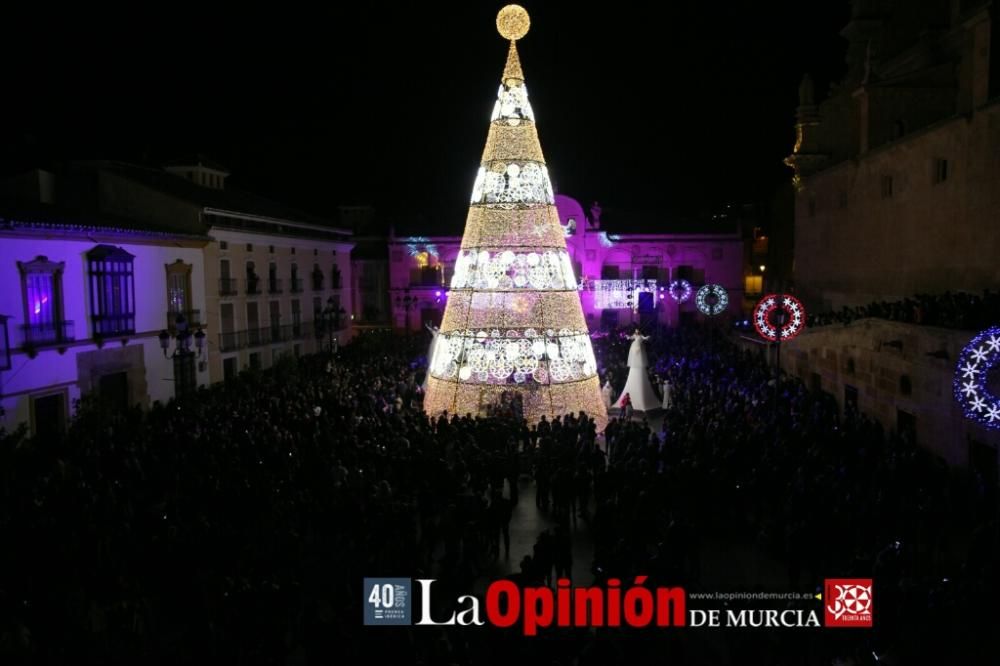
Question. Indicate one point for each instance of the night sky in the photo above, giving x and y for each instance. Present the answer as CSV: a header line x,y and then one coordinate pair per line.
x,y
654,107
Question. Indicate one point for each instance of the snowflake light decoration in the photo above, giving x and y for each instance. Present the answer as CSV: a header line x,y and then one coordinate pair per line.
x,y
971,372
680,290
712,299
764,317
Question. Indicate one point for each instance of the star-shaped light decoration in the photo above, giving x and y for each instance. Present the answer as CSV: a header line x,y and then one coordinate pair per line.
x,y
974,364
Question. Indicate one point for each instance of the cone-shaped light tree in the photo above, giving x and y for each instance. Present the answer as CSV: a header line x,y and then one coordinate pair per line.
x,y
513,322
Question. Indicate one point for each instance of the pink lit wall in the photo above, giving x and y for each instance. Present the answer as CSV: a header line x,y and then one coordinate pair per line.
x,y
707,258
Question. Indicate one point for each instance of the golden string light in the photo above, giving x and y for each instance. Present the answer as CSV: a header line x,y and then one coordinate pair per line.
x,y
513,324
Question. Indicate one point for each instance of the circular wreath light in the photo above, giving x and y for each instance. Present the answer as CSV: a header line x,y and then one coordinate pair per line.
x,y
680,290
765,311
974,363
712,299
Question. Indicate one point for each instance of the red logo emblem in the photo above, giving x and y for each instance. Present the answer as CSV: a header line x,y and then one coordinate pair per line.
x,y
847,602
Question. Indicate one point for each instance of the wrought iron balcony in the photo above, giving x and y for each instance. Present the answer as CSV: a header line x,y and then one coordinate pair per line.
x,y
47,335
253,286
114,325
257,337
227,286
296,285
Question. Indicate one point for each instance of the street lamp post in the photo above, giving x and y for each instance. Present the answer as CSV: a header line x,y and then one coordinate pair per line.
x,y
183,355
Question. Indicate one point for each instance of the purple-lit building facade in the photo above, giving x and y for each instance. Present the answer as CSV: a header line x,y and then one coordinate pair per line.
x,y
83,304
624,277
105,263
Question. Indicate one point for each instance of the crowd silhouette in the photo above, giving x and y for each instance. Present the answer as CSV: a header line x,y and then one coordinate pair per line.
x,y
951,309
236,525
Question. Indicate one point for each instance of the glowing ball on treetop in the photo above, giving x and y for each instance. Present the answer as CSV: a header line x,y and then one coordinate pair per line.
x,y
513,22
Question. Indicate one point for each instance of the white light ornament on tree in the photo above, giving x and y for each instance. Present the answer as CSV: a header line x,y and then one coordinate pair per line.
x,y
513,323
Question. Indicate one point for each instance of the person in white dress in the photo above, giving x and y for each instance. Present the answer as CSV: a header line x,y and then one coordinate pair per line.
x,y
435,332
637,386
665,389
606,393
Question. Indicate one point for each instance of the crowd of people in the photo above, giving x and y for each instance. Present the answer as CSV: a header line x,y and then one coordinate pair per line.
x,y
952,309
237,525
813,491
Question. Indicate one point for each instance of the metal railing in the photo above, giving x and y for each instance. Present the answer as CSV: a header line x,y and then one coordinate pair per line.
x,y
296,285
42,335
113,325
257,337
253,285
227,286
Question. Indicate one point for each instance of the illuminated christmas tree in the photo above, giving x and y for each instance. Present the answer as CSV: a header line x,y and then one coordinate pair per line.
x,y
513,323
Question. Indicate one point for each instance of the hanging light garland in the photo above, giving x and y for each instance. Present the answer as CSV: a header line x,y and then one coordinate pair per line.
x,y
680,290
764,314
974,363
712,299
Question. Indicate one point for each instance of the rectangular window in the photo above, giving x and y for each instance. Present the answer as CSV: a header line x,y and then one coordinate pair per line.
x,y
112,291
906,426
41,303
48,414
850,398
4,344
249,247
753,284
229,368
41,284
940,170
296,318
227,335
223,245
609,272
179,292
886,187
253,330
113,390
275,318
